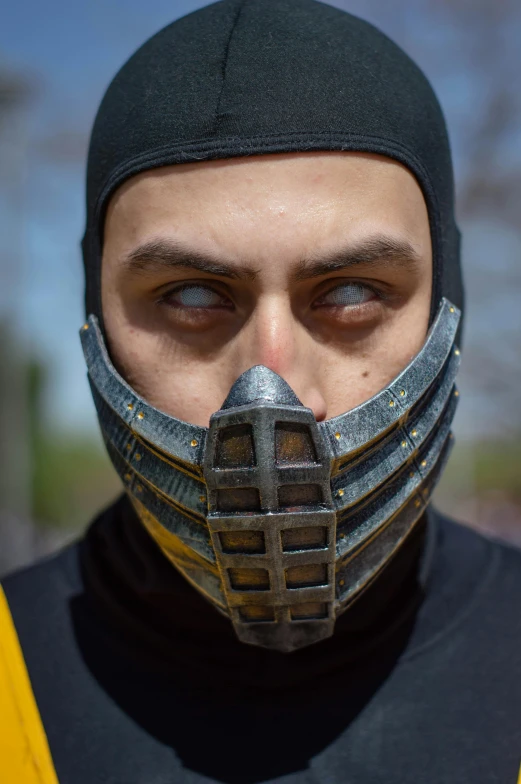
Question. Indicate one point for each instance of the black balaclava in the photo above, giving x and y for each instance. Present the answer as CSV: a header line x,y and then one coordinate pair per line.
x,y
249,77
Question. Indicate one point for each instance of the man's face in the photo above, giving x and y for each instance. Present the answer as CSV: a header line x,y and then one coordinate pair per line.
x,y
317,265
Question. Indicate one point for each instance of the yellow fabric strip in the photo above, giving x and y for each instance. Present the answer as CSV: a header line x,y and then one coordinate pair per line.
x,y
25,757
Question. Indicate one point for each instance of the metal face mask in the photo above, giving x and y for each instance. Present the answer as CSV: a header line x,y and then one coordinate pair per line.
x,y
281,522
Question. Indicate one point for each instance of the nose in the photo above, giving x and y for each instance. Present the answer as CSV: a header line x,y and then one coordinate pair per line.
x,y
279,341
314,400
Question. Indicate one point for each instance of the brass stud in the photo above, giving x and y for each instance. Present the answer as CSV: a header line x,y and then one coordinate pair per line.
x,y
130,406
137,456
412,475
341,582
139,489
402,392
342,536
451,310
414,433
128,477
337,436
202,498
141,415
417,503
391,403
340,493
404,444
85,327
193,442
457,352
423,463
129,447
456,393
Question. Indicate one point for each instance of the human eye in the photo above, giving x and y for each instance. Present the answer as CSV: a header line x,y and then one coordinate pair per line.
x,y
195,296
346,295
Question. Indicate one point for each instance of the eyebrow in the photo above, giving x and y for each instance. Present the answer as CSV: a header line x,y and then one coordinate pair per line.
x,y
173,255
377,251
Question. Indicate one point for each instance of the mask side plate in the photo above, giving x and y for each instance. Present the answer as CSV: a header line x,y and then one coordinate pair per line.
x,y
179,439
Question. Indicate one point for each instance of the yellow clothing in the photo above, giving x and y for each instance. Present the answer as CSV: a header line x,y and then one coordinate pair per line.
x,y
25,757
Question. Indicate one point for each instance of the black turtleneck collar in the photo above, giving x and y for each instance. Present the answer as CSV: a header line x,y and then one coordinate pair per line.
x,y
136,675
160,622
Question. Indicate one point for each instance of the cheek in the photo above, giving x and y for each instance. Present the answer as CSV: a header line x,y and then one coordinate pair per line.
x,y
352,379
162,370
161,373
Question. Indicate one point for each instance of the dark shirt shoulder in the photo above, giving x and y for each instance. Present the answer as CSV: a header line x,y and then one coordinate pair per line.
x,y
445,706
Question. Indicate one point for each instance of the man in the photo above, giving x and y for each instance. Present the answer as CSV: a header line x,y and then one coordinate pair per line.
x,y
273,302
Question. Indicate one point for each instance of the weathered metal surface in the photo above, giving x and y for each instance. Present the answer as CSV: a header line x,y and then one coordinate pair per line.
x,y
280,521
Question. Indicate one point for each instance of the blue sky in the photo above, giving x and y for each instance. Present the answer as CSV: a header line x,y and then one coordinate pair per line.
x,y
71,50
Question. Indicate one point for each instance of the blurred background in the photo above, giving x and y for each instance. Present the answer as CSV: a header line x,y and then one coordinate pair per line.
x,y
56,59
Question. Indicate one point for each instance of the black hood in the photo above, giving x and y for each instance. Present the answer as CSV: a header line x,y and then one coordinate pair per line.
x,y
250,77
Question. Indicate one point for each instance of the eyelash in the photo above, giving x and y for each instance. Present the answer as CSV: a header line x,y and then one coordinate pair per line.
x,y
352,285
167,297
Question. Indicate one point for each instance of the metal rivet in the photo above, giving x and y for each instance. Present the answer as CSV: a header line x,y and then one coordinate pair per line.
x,y
137,456
402,392
456,393
128,477
202,498
417,503
193,442
457,352
414,433
129,447
337,436
423,463
85,327
342,536
130,406
391,403
451,310
412,475
139,489
404,444
141,415
341,582
340,493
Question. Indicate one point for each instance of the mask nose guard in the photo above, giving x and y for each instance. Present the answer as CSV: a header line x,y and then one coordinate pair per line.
x,y
270,514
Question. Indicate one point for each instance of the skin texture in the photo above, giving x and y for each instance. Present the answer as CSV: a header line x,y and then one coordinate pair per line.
x,y
263,222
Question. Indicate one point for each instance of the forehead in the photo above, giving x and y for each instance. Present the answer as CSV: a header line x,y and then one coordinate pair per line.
x,y
311,195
